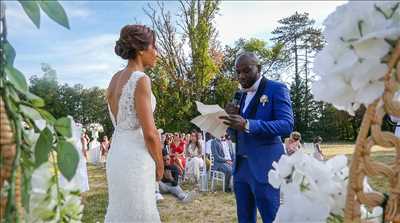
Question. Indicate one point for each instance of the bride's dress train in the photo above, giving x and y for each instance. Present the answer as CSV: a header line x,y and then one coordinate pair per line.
x,y
130,168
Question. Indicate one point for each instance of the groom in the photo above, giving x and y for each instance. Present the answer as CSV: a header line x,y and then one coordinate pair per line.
x,y
258,120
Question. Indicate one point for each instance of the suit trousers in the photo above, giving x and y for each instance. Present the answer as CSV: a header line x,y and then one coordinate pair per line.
x,y
252,195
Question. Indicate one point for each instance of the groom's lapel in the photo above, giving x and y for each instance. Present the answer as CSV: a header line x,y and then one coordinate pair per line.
x,y
242,100
252,107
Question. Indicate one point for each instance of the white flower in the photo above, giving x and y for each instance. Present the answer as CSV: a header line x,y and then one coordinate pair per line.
x,y
319,188
41,177
285,166
337,163
350,63
371,48
40,123
274,178
370,92
43,198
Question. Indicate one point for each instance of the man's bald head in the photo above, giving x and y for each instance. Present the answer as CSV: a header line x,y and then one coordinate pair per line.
x,y
249,57
248,69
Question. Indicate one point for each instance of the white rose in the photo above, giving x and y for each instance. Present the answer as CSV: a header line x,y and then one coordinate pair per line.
x,y
370,92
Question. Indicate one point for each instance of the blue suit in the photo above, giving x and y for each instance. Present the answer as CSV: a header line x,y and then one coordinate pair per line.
x,y
258,148
219,160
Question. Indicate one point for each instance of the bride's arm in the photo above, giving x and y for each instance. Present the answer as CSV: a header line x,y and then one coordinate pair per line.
x,y
146,120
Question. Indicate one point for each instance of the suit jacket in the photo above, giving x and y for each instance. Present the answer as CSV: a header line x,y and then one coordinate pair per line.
x,y
267,123
218,153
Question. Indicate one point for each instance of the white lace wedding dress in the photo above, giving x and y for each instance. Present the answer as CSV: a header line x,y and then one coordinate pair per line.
x,y
130,168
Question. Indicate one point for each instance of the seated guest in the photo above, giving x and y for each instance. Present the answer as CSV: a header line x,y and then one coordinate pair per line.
x,y
169,182
220,162
177,152
166,144
292,144
228,148
187,139
207,150
193,158
317,149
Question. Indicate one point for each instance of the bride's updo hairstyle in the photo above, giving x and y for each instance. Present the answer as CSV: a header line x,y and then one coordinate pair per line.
x,y
132,40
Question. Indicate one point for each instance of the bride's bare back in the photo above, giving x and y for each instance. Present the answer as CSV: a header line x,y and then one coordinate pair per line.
x,y
114,90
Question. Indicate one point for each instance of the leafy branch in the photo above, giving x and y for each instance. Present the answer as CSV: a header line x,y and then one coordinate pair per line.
x,y
21,113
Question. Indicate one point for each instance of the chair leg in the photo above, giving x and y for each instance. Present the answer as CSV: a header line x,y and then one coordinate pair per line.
x,y
223,183
212,183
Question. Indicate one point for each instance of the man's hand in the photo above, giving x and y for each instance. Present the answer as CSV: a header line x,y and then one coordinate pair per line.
x,y
234,121
229,162
232,109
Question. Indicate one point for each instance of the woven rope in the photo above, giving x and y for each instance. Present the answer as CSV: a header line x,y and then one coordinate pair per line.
x,y
363,165
7,153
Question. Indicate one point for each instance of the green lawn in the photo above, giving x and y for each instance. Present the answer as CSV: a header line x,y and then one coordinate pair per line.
x,y
207,207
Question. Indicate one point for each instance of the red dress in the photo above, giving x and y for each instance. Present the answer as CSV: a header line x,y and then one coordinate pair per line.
x,y
179,149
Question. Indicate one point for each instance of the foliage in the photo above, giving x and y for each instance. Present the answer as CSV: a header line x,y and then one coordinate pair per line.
x,y
25,111
86,105
272,59
181,77
301,41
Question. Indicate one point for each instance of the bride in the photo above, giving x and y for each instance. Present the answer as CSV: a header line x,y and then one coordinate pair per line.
x,y
134,163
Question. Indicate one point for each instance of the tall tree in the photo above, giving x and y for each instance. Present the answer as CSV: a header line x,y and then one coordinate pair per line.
x,y
183,76
301,41
46,87
271,57
84,105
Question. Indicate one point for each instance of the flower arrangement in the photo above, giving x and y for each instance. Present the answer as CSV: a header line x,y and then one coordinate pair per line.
x,y
51,203
96,127
360,38
318,187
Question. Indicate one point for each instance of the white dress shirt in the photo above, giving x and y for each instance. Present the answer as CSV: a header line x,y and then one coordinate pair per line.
x,y
207,147
225,147
250,93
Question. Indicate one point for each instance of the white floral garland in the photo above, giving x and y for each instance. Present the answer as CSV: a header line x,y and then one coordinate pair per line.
x,y
360,35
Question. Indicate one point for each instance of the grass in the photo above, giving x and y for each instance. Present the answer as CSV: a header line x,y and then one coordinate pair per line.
x,y
207,207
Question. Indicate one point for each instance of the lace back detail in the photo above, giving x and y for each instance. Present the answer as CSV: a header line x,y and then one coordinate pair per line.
x,y
126,118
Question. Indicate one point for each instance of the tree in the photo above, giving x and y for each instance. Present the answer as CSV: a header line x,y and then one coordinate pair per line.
x,y
21,153
180,77
46,87
86,106
271,58
301,41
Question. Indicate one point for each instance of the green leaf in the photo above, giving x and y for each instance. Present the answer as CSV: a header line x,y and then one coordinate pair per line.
x,y
17,79
67,159
43,147
55,11
30,112
63,126
9,52
35,100
14,95
32,9
47,116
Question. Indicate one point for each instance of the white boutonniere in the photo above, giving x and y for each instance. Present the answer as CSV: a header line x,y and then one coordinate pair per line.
x,y
264,99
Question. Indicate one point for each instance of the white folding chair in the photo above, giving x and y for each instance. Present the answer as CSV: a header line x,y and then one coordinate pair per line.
x,y
216,175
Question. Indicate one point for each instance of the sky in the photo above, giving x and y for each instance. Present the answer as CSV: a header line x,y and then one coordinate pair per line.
x,y
85,53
